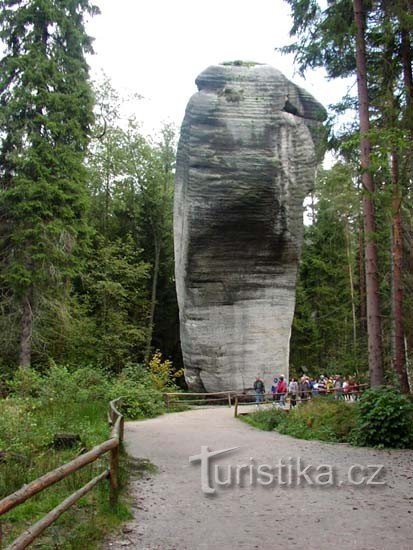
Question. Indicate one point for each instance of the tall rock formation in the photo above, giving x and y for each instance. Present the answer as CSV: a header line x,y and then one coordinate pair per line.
x,y
246,161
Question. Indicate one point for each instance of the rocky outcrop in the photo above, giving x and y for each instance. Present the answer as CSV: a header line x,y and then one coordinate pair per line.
x,y
246,160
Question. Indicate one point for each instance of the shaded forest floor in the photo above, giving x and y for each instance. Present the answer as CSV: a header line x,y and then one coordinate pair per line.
x,y
171,511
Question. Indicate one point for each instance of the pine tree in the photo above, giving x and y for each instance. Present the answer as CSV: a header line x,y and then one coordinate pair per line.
x,y
46,112
326,337
370,41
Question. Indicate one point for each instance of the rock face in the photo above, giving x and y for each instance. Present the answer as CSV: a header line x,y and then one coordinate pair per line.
x,y
246,160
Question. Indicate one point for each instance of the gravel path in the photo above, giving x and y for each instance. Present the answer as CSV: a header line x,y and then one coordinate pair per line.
x,y
171,511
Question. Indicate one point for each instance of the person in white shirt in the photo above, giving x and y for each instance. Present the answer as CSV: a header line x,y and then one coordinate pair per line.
x,y
293,391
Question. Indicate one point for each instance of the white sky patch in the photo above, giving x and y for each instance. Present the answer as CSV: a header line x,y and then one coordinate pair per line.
x,y
157,48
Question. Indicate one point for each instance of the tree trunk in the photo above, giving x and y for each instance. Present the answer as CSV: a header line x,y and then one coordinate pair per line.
x,y
26,330
351,282
397,279
362,281
407,168
153,299
372,283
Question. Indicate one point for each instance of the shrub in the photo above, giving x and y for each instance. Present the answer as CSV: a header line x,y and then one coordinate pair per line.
x,y
384,419
140,399
92,382
26,383
322,418
266,420
59,385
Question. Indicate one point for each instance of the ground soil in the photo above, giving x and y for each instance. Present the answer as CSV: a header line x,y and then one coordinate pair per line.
x,y
171,511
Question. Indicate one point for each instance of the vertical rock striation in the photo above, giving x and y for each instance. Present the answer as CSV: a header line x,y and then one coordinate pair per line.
x,y
246,160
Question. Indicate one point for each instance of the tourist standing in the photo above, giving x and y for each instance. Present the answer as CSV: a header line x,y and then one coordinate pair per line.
x,y
275,396
259,391
304,388
282,390
293,391
338,388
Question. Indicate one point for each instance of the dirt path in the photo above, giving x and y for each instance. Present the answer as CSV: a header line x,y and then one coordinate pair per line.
x,y
171,511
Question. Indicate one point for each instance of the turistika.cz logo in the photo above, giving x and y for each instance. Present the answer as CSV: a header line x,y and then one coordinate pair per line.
x,y
284,472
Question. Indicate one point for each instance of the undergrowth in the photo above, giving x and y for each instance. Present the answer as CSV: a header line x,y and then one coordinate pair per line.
x,y
382,418
37,407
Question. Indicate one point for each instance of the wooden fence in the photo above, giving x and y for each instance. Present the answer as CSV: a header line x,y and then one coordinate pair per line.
x,y
112,445
248,397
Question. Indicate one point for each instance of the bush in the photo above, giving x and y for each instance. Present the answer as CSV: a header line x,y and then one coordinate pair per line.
x,y
384,419
92,382
59,385
322,418
26,383
265,420
140,398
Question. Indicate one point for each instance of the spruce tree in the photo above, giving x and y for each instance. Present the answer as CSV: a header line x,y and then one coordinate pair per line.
x,y
372,42
45,114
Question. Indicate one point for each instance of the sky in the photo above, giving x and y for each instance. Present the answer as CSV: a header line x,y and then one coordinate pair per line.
x,y
156,48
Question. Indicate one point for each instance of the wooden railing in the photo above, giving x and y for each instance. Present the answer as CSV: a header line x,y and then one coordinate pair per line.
x,y
112,445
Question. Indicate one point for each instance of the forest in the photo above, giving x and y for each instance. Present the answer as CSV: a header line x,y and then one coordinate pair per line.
x,y
88,308
354,297
86,271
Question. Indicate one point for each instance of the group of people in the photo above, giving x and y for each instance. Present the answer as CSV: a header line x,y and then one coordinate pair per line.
x,y
305,388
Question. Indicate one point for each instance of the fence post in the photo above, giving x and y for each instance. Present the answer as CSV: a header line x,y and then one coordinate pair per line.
x,y
229,400
114,476
236,407
121,429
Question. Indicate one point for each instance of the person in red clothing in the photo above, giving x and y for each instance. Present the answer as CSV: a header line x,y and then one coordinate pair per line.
x,y
282,390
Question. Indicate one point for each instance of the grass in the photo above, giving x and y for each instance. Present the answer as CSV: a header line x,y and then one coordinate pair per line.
x,y
75,400
267,420
27,426
322,418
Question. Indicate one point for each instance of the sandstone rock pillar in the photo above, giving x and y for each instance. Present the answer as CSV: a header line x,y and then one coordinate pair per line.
x,y
246,161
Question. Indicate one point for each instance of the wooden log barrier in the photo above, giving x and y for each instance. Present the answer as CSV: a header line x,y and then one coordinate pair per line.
x,y
37,529
112,445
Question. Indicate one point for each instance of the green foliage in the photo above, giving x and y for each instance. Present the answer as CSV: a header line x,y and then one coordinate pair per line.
x,y
113,296
131,186
26,383
322,418
46,115
62,399
141,388
382,418
265,420
140,400
111,292
324,36
327,336
160,372
385,419
57,401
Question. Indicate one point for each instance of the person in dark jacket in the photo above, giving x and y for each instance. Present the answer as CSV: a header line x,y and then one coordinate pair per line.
x,y
275,396
259,391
